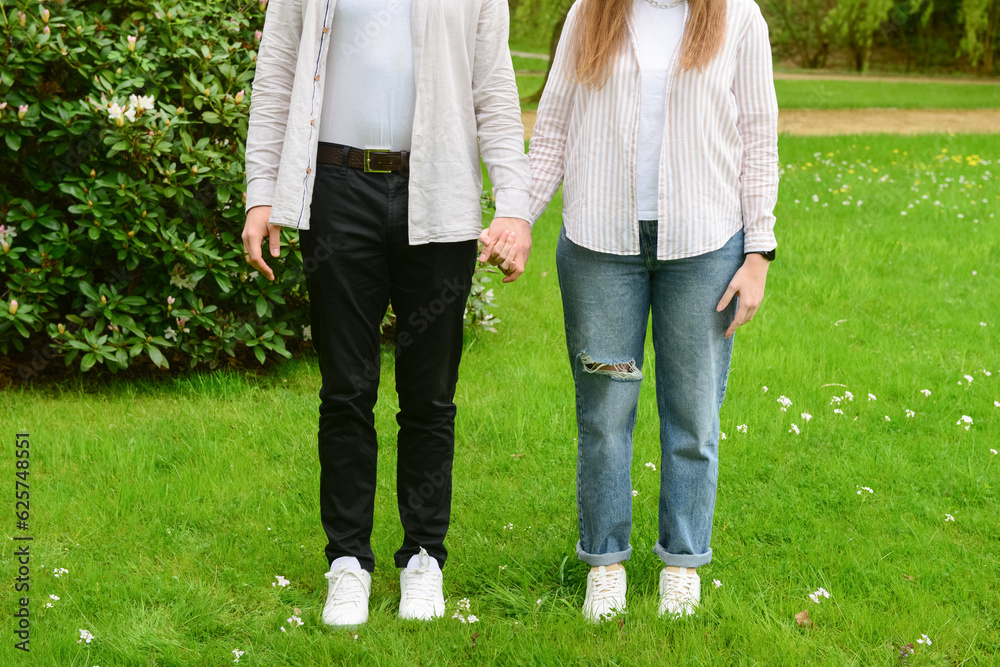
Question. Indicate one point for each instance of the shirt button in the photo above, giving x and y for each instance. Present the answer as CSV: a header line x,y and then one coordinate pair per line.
x,y
325,29
309,171
312,122
316,78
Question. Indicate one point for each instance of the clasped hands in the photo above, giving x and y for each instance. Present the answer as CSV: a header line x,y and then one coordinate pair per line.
x,y
506,244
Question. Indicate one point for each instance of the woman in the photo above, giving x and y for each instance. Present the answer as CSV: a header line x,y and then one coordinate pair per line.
x,y
660,119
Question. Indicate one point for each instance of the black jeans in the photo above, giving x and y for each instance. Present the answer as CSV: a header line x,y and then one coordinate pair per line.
x,y
357,258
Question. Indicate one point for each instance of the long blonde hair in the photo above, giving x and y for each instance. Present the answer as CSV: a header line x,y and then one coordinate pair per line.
x,y
603,32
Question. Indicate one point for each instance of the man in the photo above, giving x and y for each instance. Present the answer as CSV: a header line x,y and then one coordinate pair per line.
x,y
367,121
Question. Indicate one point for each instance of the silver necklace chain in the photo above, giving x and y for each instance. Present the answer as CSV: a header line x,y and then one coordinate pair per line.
x,y
665,5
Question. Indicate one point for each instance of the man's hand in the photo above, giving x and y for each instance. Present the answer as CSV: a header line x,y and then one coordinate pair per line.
x,y
507,244
255,231
748,283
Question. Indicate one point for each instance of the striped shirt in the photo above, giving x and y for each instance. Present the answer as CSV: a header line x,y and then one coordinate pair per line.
x,y
718,162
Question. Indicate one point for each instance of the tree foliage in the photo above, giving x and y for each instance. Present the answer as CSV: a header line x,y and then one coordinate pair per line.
x,y
915,34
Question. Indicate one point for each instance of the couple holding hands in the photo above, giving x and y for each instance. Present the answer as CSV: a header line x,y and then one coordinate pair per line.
x,y
659,119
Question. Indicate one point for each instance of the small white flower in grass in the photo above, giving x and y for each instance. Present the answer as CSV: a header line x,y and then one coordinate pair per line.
x,y
538,601
838,411
764,389
742,428
634,493
982,324
948,517
925,392
924,639
471,619
722,435
871,397
54,597
281,581
503,567
85,636
651,466
863,489
848,395
966,420
993,452
59,571
794,429
716,583
785,402
910,413
817,594
237,653
509,526
806,416
996,403
294,621
968,378
887,418
283,629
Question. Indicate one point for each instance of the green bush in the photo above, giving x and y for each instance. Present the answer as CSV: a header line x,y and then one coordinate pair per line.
x,y
122,190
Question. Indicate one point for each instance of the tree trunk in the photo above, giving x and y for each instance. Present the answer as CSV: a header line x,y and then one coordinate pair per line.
x,y
556,34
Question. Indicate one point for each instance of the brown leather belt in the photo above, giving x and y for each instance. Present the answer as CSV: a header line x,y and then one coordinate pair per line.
x,y
372,161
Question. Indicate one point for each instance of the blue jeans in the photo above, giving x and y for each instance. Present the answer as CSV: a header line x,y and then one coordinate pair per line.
x,y
606,302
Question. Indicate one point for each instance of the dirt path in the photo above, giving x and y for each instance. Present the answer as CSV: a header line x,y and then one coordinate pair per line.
x,y
870,121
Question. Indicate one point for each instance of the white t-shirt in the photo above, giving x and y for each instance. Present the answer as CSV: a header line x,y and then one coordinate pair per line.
x,y
659,33
370,94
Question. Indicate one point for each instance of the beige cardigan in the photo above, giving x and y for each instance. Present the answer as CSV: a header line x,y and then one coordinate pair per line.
x,y
466,103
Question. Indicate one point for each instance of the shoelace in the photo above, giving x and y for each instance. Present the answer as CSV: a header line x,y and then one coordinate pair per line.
x,y
606,585
680,588
349,584
422,584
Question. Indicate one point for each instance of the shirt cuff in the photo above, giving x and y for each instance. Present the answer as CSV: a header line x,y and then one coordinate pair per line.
x,y
260,192
758,241
513,203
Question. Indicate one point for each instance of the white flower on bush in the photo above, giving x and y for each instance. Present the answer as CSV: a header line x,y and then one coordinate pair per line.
x,y
136,106
179,279
143,103
116,113
5,235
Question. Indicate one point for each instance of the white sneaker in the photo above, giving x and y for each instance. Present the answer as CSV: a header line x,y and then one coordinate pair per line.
x,y
347,595
420,588
679,593
605,594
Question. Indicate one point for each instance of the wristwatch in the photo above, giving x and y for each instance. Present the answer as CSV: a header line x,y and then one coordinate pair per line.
x,y
768,254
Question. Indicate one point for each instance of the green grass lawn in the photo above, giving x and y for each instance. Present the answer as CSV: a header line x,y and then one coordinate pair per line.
x,y
808,94
820,94
173,506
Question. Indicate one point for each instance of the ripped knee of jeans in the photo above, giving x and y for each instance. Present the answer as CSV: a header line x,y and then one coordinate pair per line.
x,y
618,370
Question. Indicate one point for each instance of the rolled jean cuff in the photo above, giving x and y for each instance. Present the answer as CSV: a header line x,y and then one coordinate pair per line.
x,y
596,560
682,560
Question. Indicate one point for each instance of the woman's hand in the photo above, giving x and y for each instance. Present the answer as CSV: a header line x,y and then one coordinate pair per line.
x,y
507,245
748,283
